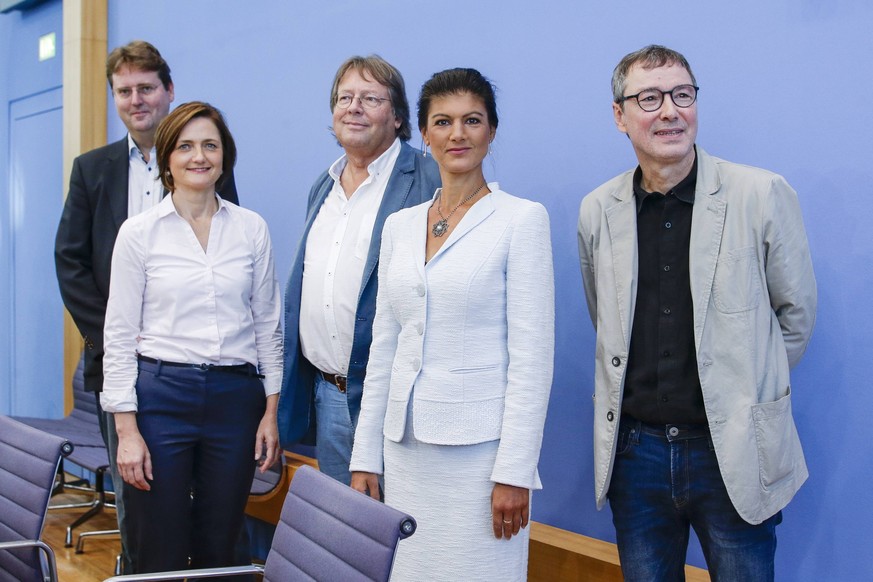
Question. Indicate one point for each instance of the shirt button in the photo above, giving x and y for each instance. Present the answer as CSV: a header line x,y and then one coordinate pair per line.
x,y
416,364
667,311
420,290
610,416
673,431
419,328
666,268
666,353
668,225
616,361
664,399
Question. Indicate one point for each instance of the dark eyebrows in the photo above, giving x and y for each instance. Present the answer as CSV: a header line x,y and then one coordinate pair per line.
x,y
463,116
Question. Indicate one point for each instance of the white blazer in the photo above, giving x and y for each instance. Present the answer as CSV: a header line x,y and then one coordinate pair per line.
x,y
469,335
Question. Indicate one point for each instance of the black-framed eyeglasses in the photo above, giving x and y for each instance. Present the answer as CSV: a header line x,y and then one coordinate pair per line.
x,y
368,101
652,99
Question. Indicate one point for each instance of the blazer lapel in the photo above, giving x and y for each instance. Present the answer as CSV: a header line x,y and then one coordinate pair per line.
x,y
419,238
115,178
476,214
621,221
394,199
707,228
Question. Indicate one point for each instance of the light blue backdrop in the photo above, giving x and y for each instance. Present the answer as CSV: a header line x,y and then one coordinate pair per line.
x,y
784,85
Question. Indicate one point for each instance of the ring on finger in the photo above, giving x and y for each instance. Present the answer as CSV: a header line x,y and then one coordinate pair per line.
x,y
507,521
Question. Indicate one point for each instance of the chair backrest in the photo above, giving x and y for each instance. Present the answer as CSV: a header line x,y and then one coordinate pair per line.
x,y
329,531
28,462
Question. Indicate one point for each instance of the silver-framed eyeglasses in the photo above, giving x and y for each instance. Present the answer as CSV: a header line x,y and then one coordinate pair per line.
x,y
651,99
368,101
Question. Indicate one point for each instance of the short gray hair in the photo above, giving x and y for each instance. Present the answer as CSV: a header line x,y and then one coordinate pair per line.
x,y
648,57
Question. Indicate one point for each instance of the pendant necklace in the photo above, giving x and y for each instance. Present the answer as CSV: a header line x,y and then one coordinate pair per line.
x,y
441,226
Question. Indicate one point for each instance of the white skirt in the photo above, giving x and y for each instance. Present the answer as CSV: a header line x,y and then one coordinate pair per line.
x,y
447,489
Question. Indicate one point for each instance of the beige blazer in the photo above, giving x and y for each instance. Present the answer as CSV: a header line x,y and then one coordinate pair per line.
x,y
754,298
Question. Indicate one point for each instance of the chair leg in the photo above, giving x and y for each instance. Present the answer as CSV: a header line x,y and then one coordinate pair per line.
x,y
96,507
80,542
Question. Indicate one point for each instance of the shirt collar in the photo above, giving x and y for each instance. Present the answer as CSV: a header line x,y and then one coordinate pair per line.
x,y
683,191
135,153
376,167
166,206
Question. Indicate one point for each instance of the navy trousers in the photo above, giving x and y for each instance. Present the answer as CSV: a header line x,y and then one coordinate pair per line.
x,y
200,427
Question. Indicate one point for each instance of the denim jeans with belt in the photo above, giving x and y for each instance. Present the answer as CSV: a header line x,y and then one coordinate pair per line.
x,y
335,432
667,478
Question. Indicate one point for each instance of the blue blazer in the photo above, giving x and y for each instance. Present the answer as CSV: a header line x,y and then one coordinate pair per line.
x,y
413,181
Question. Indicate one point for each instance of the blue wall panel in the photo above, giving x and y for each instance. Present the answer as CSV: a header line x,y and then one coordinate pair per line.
x,y
31,190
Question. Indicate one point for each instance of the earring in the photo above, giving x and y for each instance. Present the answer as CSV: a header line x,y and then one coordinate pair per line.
x,y
424,145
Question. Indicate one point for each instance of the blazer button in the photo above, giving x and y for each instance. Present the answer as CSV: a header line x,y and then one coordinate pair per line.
x,y
616,361
420,290
416,364
610,416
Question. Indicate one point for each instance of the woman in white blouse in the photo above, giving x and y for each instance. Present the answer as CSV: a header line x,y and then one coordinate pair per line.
x,y
193,353
460,366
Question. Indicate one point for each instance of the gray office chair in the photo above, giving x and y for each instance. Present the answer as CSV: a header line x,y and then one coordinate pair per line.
x,y
82,429
29,460
327,532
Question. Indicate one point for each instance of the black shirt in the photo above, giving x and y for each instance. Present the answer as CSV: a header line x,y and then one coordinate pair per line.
x,y
663,386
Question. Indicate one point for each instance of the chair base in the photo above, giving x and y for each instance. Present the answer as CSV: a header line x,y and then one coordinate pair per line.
x,y
80,542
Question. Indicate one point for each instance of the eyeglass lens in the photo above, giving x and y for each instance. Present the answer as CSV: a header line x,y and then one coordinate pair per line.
x,y
651,99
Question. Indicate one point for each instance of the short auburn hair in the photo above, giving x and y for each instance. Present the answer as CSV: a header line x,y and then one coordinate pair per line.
x,y
170,128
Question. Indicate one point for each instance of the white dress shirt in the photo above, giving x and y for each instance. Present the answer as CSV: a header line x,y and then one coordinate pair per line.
x,y
171,300
144,188
336,252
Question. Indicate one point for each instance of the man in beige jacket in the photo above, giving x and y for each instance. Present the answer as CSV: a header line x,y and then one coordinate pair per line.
x,y
700,285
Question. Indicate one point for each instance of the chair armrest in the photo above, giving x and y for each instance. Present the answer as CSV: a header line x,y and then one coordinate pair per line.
x,y
189,574
40,545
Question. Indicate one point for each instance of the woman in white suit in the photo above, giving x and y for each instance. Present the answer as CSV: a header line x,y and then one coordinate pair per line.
x,y
461,361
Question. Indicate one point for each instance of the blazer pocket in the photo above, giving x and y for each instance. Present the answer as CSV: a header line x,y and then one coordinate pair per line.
x,y
776,439
473,369
736,287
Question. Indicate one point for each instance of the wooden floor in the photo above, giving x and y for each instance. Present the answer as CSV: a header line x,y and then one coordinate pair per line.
x,y
98,560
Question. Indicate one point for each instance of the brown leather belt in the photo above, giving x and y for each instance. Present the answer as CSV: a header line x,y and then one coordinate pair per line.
x,y
337,380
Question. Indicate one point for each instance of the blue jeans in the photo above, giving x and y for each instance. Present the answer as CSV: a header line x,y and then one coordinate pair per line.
x,y
335,430
665,479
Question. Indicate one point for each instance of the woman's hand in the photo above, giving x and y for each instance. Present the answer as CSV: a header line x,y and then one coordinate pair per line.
x,y
133,458
509,509
366,483
267,449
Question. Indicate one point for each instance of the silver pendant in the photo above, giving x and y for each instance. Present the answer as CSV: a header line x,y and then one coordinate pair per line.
x,y
440,227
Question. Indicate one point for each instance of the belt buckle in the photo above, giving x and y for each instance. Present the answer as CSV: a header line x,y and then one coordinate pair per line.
x,y
341,382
